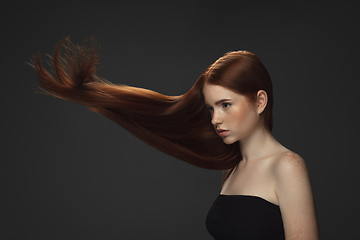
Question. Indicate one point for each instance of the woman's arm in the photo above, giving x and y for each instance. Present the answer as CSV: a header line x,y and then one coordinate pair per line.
x,y
295,196
225,174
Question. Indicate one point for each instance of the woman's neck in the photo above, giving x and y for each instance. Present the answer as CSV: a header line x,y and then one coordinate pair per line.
x,y
259,144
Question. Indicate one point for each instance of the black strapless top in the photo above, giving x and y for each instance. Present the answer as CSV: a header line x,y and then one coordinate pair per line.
x,y
244,217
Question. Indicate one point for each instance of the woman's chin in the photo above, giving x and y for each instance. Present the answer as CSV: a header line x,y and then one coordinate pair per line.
x,y
228,140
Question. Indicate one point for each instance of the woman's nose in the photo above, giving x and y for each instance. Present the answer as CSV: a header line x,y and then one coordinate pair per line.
x,y
216,119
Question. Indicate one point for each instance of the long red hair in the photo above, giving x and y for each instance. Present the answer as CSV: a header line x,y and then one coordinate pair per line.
x,y
179,126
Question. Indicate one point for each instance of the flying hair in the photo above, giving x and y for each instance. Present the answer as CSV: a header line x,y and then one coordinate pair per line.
x,y
179,126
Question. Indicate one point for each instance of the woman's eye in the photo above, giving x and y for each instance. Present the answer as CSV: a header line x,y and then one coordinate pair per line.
x,y
225,105
209,108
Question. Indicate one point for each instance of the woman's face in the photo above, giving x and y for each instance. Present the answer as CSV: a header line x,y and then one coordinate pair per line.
x,y
232,116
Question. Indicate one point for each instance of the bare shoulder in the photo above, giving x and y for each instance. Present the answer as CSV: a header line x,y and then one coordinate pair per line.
x,y
294,193
290,165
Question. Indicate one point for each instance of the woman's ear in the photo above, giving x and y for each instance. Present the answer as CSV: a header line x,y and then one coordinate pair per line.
x,y
261,101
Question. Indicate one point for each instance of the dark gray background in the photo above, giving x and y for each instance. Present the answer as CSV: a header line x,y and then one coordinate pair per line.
x,y
73,174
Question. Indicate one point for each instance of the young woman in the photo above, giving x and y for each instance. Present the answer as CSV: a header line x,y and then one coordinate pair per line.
x,y
223,122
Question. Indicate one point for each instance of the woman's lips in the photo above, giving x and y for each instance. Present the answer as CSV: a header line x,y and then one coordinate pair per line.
x,y
222,132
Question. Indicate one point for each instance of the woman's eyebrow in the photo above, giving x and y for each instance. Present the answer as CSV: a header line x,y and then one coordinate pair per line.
x,y
222,100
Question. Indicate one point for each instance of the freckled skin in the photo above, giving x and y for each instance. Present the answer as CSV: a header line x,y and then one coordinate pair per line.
x,y
267,169
238,116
